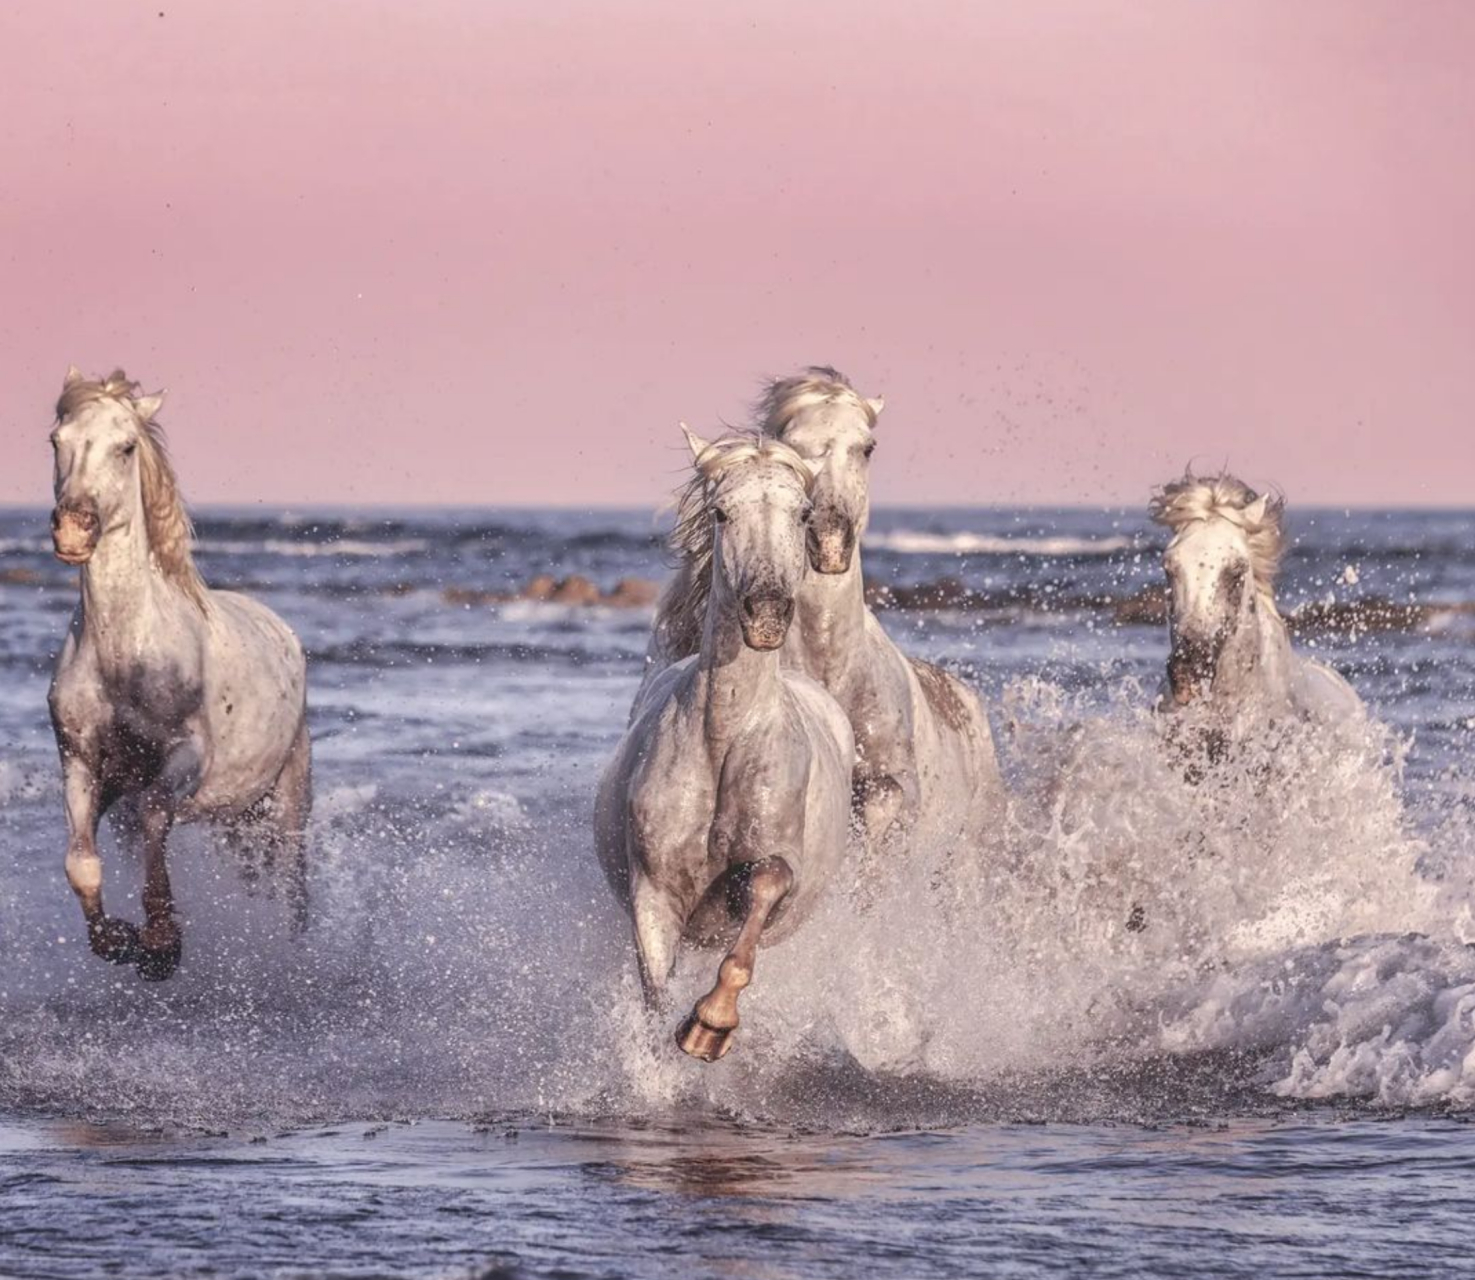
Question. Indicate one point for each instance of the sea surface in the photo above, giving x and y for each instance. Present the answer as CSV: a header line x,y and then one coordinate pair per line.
x,y
980,1072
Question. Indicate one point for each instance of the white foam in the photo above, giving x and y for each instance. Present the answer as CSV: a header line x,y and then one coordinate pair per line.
x,y
311,550
915,542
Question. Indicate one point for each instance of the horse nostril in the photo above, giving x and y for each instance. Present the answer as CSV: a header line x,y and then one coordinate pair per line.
x,y
86,517
773,604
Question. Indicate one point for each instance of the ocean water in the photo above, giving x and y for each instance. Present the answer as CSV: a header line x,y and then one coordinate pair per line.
x,y
984,1072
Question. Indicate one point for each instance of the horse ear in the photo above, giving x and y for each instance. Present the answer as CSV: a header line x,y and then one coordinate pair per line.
x,y
1255,512
74,375
147,407
695,443
876,403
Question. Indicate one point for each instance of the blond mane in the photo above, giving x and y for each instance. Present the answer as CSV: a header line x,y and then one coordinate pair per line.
x,y
783,399
1181,503
682,612
170,531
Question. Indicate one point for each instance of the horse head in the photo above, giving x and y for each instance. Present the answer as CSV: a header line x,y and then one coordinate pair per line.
x,y
1220,567
755,504
101,445
831,426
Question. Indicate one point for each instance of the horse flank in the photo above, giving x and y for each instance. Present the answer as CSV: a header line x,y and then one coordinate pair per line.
x,y
1180,503
682,611
170,530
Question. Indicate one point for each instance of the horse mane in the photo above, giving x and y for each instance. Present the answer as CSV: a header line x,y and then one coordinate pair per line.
x,y
1180,503
783,399
681,614
170,530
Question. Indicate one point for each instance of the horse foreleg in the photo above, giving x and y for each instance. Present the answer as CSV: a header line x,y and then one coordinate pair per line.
x,y
159,944
881,805
659,924
112,939
708,1032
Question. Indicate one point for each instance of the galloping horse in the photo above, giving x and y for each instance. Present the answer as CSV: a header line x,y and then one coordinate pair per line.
x,y
170,702
728,799
1229,646
925,762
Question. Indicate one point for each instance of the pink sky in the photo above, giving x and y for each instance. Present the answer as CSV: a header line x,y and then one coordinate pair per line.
x,y
491,252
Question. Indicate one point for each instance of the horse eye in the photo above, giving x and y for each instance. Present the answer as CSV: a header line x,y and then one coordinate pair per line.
x,y
870,448
719,515
806,513
129,449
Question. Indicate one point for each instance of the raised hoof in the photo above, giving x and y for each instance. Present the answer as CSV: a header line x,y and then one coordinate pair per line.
x,y
114,940
157,963
701,1041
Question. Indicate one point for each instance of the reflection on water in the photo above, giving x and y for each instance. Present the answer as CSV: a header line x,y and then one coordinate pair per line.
x,y
1310,1195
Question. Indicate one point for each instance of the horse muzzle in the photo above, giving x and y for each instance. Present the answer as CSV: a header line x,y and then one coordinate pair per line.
x,y
765,620
1190,668
831,543
74,532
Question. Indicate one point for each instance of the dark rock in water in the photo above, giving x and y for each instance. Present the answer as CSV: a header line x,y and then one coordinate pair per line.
x,y
633,593
1148,608
467,595
1371,614
628,593
575,589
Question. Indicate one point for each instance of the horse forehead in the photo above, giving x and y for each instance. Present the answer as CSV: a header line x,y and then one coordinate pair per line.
x,y
755,483
825,425
1209,543
99,419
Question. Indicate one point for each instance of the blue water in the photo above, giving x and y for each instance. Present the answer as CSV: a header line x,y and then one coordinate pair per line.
x,y
451,1074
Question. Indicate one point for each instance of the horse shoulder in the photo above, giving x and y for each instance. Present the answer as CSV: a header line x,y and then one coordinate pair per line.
x,y
76,698
1324,694
951,703
824,720
877,695
660,786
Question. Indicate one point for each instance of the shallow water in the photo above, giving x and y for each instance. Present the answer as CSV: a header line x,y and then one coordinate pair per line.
x,y
452,1072
1244,1197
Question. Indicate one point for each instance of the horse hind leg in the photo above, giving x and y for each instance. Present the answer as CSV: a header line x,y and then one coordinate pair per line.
x,y
160,943
290,808
270,838
707,1033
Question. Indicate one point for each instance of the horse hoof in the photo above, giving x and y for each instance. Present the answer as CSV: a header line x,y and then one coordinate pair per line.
x,y
114,940
158,963
701,1041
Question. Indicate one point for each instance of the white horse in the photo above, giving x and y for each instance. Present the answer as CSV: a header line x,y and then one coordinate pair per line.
x,y
926,768
1229,645
170,702
728,800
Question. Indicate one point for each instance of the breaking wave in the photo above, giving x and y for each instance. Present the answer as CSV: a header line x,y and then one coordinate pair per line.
x,y
916,542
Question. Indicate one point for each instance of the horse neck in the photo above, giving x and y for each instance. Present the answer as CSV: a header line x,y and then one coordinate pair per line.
x,y
735,681
829,622
1257,659
123,594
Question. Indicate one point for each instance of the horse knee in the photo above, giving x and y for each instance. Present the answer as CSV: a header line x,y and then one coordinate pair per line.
x,y
768,881
881,803
84,872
